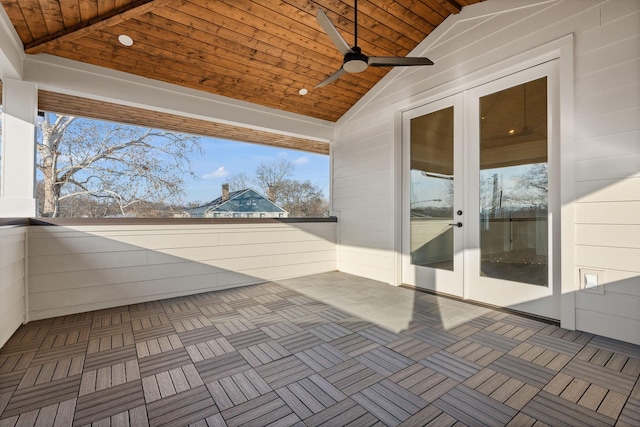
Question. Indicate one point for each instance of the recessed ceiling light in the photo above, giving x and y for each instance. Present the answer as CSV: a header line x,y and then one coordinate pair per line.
x,y
303,91
125,40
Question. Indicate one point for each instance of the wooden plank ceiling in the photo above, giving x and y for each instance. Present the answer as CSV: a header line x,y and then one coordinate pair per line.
x,y
261,51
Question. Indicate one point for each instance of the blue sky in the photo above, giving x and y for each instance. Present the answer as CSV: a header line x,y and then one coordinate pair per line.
x,y
222,159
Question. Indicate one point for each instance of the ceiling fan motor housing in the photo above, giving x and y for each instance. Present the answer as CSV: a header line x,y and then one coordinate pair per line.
x,y
355,61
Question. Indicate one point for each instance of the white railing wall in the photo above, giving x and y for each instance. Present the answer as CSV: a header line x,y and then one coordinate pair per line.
x,y
77,268
12,279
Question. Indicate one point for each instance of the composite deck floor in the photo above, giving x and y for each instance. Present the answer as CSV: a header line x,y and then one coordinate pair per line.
x,y
329,349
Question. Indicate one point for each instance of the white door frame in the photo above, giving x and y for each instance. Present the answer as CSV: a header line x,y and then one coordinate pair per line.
x,y
539,300
439,280
561,49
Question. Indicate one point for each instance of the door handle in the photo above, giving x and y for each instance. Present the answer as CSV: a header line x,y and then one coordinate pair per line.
x,y
457,224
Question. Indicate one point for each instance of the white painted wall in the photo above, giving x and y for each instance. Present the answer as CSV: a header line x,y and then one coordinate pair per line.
x,y
12,279
607,168
80,268
606,171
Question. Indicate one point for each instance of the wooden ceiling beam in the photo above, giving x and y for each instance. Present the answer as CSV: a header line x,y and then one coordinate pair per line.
x,y
114,17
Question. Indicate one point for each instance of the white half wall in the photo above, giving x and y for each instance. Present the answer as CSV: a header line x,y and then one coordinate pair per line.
x,y
74,269
12,279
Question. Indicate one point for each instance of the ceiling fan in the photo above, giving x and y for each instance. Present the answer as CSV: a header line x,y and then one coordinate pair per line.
x,y
354,60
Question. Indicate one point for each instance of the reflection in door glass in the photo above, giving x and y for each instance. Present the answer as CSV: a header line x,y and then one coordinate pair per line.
x,y
514,184
432,190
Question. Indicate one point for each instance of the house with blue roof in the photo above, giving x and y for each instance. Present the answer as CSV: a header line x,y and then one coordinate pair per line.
x,y
246,203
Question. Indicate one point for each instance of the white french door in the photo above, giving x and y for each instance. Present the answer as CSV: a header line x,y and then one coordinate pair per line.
x,y
433,176
479,193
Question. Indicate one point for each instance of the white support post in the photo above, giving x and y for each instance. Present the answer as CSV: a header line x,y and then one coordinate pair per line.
x,y
19,111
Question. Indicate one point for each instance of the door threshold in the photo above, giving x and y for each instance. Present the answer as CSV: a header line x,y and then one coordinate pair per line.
x,y
543,319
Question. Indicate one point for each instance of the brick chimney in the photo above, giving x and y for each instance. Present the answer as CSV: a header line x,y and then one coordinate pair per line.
x,y
271,194
225,192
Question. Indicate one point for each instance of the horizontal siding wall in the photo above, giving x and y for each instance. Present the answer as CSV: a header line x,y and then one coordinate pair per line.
x,y
12,276
79,268
361,187
607,169
606,36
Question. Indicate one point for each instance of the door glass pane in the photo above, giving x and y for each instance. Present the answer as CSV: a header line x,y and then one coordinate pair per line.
x,y
432,190
514,185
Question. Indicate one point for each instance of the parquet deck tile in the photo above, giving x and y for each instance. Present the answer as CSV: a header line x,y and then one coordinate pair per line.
x,y
556,411
263,353
310,396
159,345
221,366
109,376
101,404
266,319
152,365
354,324
380,335
191,323
9,381
182,408
435,337
110,357
529,373
155,332
271,354
354,344
614,346
630,413
322,357
332,314
199,335
429,416
213,309
474,408
261,411
344,413
254,311
235,326
603,376
284,371
351,376
455,367
384,361
238,388
556,344
209,349
168,383
300,341
241,302
38,396
294,312
493,340
480,322
389,402
280,329
329,331
524,322
60,344
278,305
247,338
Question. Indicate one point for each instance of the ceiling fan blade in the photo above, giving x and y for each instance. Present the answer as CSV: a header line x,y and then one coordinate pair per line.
x,y
332,32
332,77
393,61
